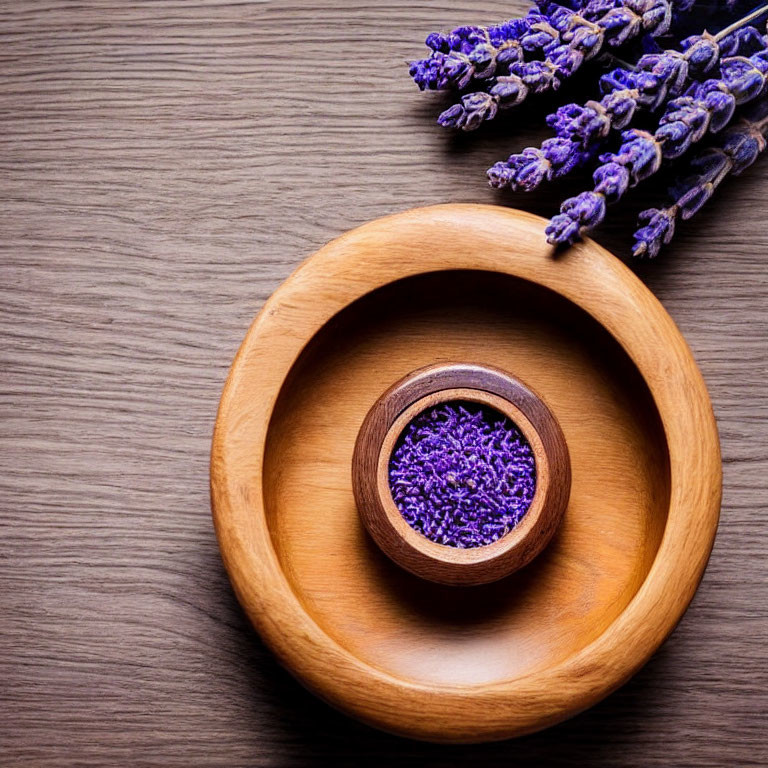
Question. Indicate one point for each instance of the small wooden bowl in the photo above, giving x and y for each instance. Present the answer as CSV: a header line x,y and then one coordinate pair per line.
x,y
376,441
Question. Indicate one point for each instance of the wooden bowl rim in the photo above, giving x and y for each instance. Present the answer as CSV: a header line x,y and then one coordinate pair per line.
x,y
436,239
382,426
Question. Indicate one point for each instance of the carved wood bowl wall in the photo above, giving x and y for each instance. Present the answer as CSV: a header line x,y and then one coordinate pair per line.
x,y
479,285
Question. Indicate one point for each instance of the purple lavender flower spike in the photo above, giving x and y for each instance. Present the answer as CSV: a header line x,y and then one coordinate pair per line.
x,y
621,25
509,91
620,106
462,475
477,53
438,42
464,39
427,74
564,156
500,175
591,122
661,75
634,16
638,157
688,119
659,229
702,51
580,213
514,29
730,154
563,229
539,35
469,112
588,209
530,172
456,68
744,144
525,171
475,108
539,76
453,116
611,182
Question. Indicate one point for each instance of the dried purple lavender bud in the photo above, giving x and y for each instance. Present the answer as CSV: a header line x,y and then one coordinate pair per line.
x,y
635,16
475,108
467,53
709,106
703,51
525,171
730,154
745,77
462,475
470,111
587,123
659,230
583,212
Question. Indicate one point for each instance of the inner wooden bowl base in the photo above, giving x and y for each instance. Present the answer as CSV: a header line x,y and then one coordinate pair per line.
x,y
551,609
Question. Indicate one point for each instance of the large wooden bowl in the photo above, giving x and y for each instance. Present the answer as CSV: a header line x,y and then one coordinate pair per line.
x,y
471,284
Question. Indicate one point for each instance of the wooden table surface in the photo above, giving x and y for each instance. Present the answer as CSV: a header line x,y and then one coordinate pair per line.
x,y
165,165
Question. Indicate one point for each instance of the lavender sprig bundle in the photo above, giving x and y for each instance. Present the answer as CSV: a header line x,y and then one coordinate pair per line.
x,y
579,129
707,106
574,37
477,53
696,85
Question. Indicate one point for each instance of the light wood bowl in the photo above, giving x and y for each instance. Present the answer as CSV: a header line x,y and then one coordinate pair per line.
x,y
378,435
474,284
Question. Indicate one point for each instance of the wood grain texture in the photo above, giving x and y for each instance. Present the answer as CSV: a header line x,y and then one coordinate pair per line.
x,y
378,436
154,193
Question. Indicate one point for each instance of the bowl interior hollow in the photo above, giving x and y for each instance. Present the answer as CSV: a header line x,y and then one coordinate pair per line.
x,y
611,530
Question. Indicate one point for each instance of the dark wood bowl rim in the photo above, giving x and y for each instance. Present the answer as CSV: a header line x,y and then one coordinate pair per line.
x,y
384,424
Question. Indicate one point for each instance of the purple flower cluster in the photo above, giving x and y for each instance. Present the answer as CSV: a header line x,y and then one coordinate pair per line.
x,y
696,86
579,128
707,106
477,53
572,37
462,475
730,154
526,170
